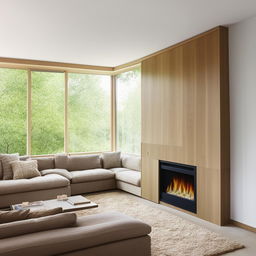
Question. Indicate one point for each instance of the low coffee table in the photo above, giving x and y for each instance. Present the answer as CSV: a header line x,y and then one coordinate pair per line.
x,y
54,203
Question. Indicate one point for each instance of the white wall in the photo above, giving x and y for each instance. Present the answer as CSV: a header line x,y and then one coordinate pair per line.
x,y
242,43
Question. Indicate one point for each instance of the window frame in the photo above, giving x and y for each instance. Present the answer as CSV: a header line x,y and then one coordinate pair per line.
x,y
31,66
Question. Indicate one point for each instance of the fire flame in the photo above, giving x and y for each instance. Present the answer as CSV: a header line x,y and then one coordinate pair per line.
x,y
182,188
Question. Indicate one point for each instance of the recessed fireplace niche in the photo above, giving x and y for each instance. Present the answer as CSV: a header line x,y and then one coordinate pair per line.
x,y
177,185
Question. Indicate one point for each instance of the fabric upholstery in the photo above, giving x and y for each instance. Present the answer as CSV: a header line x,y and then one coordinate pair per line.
x,y
91,175
89,231
132,177
24,158
36,225
25,169
139,246
42,213
61,172
92,186
10,216
75,163
128,188
131,162
87,162
61,161
44,163
37,183
120,169
16,198
111,159
6,160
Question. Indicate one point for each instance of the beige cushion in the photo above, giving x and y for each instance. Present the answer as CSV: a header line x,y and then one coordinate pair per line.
x,y
6,160
111,159
131,177
131,162
36,225
90,231
91,175
38,183
61,172
9,216
44,163
42,213
25,169
120,169
76,163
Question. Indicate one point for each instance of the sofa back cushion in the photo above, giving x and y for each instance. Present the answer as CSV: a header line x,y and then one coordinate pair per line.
x,y
61,161
6,160
44,162
76,163
24,158
36,225
111,159
131,162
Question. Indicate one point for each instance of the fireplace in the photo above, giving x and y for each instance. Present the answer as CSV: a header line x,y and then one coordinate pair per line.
x,y
177,185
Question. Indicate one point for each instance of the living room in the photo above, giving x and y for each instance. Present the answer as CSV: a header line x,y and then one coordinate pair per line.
x,y
127,127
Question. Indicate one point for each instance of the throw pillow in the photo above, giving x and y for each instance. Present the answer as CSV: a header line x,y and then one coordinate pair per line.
x,y
43,213
25,169
6,160
10,216
111,159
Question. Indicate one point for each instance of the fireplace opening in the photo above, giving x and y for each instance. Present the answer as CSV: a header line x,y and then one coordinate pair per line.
x,y
177,185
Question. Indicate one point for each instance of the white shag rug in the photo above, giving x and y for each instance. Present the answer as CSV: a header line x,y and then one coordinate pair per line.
x,y
171,235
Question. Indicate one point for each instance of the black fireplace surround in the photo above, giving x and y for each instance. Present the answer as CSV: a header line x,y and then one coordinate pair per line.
x,y
169,173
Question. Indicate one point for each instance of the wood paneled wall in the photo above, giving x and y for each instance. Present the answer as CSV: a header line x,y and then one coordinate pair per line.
x,y
185,119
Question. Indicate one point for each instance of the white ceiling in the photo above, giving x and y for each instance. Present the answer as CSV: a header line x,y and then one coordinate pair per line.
x,y
108,32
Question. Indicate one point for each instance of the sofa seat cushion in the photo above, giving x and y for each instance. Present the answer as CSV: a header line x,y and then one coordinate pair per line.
x,y
91,175
38,183
90,231
61,172
131,177
120,169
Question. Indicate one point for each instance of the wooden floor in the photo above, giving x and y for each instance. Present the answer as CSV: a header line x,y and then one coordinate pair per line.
x,y
247,238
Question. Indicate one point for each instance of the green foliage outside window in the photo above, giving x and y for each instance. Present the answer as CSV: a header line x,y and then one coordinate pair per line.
x,y
47,112
128,91
89,113
13,107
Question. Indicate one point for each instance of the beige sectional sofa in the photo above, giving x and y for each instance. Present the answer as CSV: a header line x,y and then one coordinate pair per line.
x,y
71,175
112,234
